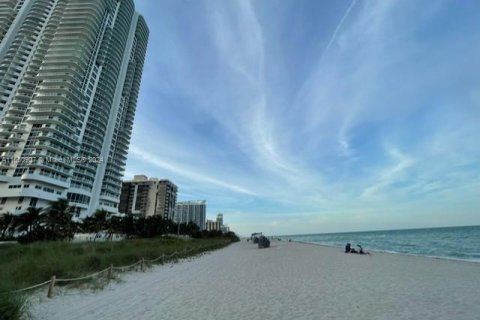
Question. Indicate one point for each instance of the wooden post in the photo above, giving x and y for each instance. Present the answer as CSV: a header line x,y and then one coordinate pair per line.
x,y
110,272
163,258
50,287
143,264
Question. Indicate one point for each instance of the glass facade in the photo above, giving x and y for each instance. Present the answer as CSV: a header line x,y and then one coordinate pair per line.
x,y
70,74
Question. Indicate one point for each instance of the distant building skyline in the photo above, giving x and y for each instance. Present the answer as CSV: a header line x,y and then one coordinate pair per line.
x,y
148,197
70,75
191,211
217,224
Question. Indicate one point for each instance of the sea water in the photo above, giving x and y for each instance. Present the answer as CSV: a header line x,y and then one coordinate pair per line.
x,y
459,243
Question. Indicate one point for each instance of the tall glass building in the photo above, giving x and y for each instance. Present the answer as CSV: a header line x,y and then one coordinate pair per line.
x,y
70,74
191,211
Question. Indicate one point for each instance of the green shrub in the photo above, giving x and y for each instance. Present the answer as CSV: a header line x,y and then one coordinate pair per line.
x,y
93,263
13,305
78,251
25,265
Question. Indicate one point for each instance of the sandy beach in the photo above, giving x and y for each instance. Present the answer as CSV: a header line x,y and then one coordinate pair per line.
x,y
286,281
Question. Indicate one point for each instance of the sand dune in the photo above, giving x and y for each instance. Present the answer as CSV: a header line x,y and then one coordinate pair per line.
x,y
286,281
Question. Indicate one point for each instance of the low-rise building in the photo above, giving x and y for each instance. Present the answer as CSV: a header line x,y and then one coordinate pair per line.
x,y
212,225
216,225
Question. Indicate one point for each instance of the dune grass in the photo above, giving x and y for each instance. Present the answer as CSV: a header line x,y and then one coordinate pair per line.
x,y
12,306
25,265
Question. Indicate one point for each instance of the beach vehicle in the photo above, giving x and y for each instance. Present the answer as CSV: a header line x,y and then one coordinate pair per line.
x,y
255,236
263,242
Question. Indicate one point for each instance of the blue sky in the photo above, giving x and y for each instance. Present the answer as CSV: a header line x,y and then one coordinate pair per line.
x,y
300,116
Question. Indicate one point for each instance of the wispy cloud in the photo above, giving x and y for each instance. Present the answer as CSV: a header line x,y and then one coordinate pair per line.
x,y
242,102
389,175
195,175
337,29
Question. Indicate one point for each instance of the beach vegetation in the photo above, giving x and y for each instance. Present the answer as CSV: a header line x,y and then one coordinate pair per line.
x,y
7,226
25,265
44,248
56,223
12,305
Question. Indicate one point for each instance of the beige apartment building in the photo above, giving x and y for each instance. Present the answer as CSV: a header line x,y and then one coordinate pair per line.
x,y
145,196
216,225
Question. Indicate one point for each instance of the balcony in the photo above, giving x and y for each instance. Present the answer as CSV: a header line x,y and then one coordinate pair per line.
x,y
55,181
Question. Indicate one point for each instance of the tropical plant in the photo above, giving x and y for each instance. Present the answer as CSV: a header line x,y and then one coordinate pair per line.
x,y
28,220
128,225
58,220
115,225
97,222
7,222
12,306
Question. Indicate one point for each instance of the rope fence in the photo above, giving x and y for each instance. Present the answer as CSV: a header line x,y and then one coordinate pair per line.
x,y
83,278
32,287
121,268
142,262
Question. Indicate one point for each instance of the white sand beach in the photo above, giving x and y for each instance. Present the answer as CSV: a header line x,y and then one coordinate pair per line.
x,y
286,281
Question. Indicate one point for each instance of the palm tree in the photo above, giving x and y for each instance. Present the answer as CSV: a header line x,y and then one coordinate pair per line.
x,y
58,218
128,223
29,220
101,215
96,222
100,221
6,223
115,225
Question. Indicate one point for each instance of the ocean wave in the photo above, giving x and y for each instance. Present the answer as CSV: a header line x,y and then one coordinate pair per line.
x,y
456,243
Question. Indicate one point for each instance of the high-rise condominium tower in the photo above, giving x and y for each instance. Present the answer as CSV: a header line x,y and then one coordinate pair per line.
x,y
191,211
148,197
70,73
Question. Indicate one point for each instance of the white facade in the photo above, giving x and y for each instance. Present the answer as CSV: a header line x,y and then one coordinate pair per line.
x,y
220,219
211,225
191,211
70,73
217,225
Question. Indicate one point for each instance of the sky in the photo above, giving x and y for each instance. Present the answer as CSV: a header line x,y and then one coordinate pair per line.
x,y
297,117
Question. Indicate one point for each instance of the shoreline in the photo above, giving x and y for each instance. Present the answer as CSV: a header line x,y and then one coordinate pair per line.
x,y
475,262
379,230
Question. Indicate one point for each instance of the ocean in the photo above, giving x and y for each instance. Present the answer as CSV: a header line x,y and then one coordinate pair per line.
x,y
458,243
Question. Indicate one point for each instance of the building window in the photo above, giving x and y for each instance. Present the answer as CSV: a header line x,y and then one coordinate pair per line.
x,y
50,190
33,202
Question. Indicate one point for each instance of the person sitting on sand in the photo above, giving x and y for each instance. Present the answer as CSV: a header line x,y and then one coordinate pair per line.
x,y
348,247
361,250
